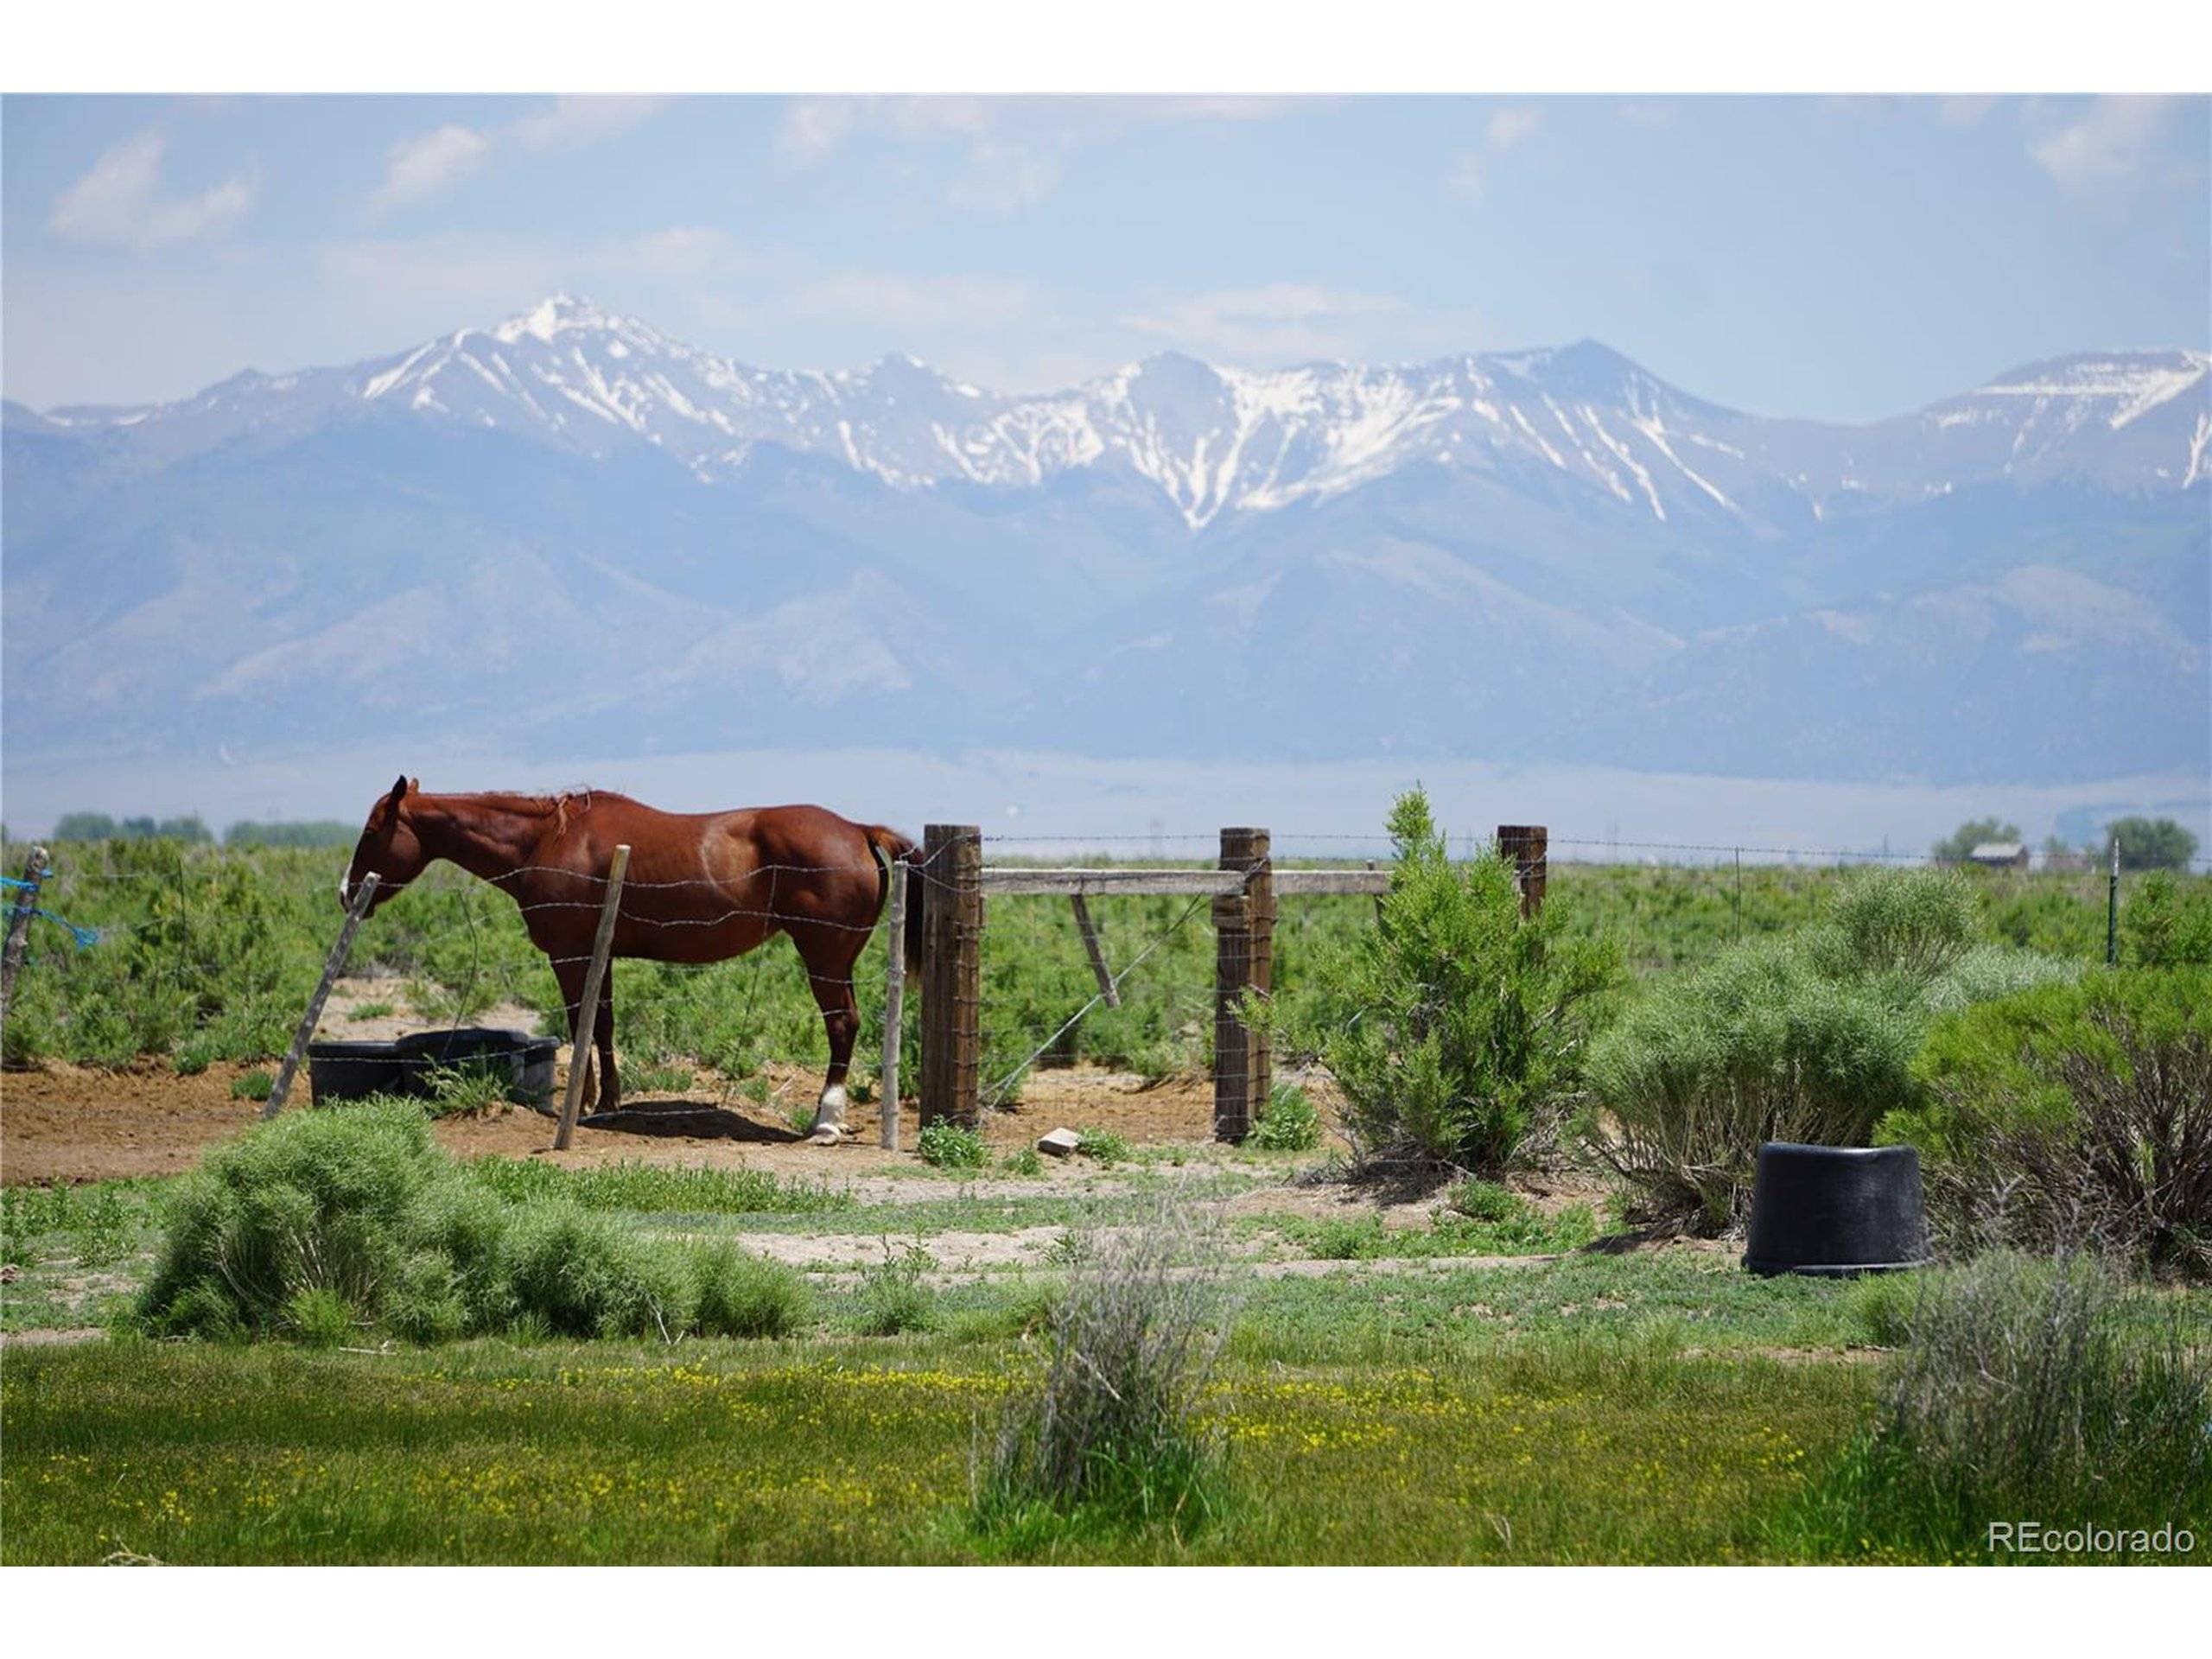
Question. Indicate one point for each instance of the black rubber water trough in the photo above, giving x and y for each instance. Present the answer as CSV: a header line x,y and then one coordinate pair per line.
x,y
406,1065
1833,1211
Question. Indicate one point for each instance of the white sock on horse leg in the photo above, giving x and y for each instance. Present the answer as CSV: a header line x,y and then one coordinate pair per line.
x,y
830,1113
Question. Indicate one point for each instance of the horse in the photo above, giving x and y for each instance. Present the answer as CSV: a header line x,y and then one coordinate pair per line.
x,y
701,887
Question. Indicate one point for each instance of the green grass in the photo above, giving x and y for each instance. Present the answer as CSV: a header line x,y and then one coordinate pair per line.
x,y
655,1189
720,1452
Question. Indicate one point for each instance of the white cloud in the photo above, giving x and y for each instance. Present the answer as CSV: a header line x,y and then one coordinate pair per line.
x,y
421,167
1016,148
118,203
2109,145
574,122
1509,127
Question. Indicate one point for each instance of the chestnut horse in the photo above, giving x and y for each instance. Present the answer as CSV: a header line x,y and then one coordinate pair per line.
x,y
701,887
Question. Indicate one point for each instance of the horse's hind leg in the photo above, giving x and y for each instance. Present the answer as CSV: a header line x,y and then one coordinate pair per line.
x,y
829,954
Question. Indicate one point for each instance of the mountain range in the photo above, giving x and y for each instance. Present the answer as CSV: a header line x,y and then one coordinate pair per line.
x,y
573,531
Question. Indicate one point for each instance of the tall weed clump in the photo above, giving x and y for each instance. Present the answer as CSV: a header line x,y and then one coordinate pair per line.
x,y
2043,1390
1110,1435
1809,1038
2073,1115
1454,1027
325,1220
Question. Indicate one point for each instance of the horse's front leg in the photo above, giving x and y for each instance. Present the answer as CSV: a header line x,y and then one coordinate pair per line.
x,y
610,1082
570,972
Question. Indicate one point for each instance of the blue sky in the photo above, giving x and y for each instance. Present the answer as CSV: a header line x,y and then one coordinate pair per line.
x,y
1835,257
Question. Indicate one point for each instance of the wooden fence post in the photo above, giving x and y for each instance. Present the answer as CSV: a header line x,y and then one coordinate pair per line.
x,y
587,1011
953,930
1527,845
331,968
19,928
894,1005
1244,927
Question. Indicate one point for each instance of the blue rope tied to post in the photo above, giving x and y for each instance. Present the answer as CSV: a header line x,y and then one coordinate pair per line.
x,y
83,935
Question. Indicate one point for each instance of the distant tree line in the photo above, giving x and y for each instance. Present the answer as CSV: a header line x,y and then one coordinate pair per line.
x,y
310,832
2144,843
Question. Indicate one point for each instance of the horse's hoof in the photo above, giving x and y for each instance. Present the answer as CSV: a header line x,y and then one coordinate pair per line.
x,y
829,1134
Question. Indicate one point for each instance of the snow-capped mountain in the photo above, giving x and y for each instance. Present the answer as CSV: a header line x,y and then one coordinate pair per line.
x,y
1323,559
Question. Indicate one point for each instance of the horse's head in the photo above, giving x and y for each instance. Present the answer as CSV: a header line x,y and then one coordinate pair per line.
x,y
388,845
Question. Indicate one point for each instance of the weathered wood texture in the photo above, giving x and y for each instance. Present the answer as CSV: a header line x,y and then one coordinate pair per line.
x,y
1106,987
1526,844
1014,881
332,965
952,919
19,928
894,1005
587,1011
1244,961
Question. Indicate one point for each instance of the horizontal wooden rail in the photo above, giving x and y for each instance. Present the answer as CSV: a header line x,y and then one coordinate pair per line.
x,y
1019,878
1320,881
1015,880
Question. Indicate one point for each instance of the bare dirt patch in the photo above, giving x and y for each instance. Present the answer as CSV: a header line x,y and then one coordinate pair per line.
x,y
65,1122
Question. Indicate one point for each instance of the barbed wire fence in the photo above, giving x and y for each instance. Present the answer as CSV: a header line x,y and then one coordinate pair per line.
x,y
1039,1007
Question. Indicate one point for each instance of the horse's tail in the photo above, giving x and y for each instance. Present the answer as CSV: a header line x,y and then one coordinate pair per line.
x,y
891,848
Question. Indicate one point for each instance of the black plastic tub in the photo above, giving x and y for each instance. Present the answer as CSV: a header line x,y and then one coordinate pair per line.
x,y
1834,1212
353,1071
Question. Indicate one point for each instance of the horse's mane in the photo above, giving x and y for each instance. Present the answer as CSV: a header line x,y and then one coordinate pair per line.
x,y
562,806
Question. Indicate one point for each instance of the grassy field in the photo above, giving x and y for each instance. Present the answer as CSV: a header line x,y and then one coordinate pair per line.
x,y
1571,1405
1406,1382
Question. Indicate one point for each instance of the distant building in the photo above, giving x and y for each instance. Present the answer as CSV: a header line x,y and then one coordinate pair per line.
x,y
1999,855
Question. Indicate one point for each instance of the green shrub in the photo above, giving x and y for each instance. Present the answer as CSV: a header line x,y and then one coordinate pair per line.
x,y
318,1316
1288,1122
359,1211
252,1085
2167,925
2072,1114
1809,1038
2025,1389
1917,921
1759,1046
1103,1146
948,1144
893,1299
1453,1026
313,1200
1487,1201
736,1293
1023,1160
1110,1435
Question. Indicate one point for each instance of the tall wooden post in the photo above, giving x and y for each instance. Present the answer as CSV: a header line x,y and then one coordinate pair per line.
x,y
19,928
1244,929
602,943
332,965
1526,844
894,1005
952,937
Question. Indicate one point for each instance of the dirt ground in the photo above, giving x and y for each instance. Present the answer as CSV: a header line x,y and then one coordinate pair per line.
x,y
74,1123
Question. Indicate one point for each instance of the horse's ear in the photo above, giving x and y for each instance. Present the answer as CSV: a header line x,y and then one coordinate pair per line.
x,y
414,786
399,790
